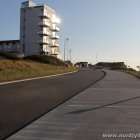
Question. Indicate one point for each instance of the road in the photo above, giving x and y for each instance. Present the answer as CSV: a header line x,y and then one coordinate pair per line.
x,y
108,110
23,102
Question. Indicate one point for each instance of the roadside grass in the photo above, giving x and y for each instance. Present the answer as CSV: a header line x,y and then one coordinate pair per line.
x,y
20,69
129,71
134,73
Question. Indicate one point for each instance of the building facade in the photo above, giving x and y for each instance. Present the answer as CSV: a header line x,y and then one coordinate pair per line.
x,y
38,30
10,46
81,64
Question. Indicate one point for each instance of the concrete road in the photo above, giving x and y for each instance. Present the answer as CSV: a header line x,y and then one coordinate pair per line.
x,y
23,102
108,110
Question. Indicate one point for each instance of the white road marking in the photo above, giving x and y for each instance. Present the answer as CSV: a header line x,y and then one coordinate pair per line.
x,y
89,106
16,81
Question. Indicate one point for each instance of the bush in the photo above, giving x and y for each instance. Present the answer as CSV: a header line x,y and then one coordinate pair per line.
x,y
118,68
8,55
131,69
46,59
69,63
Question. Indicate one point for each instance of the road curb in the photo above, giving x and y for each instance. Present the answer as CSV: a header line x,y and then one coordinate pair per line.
x,y
36,78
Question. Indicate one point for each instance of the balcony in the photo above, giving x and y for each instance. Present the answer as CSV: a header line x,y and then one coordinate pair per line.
x,y
55,29
41,42
44,24
44,15
54,37
55,45
44,33
56,51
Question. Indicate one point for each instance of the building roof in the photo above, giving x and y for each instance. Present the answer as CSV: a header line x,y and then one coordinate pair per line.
x,y
31,4
9,41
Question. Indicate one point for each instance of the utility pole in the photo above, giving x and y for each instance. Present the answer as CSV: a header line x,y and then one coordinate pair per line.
x,y
70,50
65,43
67,49
64,48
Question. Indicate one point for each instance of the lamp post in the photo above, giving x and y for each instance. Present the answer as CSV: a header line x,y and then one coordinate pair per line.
x,y
70,50
65,44
64,48
67,49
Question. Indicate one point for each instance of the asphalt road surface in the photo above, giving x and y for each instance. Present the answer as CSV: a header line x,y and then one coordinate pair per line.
x,y
108,110
23,102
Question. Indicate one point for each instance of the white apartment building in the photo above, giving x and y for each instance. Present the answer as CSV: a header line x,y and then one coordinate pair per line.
x,y
38,30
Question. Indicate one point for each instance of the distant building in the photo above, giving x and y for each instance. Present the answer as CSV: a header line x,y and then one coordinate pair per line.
x,y
81,64
38,28
10,46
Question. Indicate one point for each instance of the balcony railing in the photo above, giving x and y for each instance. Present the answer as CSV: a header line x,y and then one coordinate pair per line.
x,y
44,15
55,45
54,37
56,51
43,41
44,33
56,29
44,24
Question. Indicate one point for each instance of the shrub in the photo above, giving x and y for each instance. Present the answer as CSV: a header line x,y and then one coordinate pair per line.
x,y
46,59
69,63
8,55
118,68
131,69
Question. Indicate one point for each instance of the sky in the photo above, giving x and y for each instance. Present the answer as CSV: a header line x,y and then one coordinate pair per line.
x,y
98,30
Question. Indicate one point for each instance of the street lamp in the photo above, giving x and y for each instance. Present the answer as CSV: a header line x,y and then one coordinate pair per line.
x,y
70,50
67,49
65,44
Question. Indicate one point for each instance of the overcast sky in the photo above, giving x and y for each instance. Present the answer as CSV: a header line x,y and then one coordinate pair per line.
x,y
108,28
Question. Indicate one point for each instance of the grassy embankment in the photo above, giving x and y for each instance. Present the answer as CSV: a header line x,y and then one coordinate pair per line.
x,y
129,71
133,72
31,67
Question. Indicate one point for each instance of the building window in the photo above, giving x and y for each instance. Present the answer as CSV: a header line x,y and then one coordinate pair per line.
x,y
8,48
23,47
